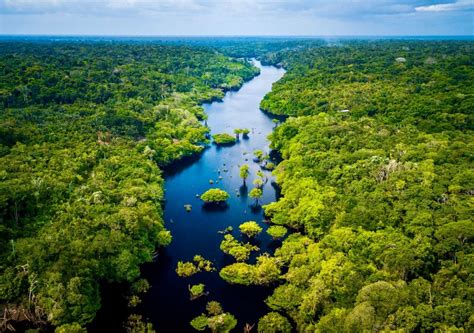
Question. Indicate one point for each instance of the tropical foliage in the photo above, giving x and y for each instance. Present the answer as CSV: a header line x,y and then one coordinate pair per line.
x,y
250,228
377,187
83,129
265,272
224,139
376,179
277,231
216,319
240,251
215,195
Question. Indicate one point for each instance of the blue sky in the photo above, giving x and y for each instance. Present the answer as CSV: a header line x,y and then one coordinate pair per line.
x,y
237,17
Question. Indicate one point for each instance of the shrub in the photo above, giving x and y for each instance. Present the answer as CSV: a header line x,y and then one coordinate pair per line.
x,y
277,231
215,195
223,139
250,228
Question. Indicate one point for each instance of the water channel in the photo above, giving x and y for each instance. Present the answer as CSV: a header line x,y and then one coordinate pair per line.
x,y
167,304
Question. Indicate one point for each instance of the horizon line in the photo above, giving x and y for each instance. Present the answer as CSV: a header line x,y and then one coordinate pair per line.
x,y
229,35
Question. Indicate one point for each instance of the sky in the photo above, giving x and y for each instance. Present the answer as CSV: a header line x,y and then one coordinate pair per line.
x,y
237,17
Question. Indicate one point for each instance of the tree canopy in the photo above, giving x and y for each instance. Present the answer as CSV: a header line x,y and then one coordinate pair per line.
x,y
376,178
223,139
215,195
376,186
250,228
84,129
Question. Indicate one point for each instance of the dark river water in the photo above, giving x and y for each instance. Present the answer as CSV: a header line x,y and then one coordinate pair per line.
x,y
167,304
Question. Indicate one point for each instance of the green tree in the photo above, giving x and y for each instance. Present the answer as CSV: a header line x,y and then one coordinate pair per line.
x,y
265,272
274,322
277,231
258,183
256,194
240,251
135,324
199,264
250,228
238,273
245,132
237,133
216,319
197,291
244,172
214,308
186,269
223,139
215,195
453,237
259,154
70,328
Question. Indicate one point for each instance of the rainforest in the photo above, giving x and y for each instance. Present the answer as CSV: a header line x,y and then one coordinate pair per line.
x,y
234,184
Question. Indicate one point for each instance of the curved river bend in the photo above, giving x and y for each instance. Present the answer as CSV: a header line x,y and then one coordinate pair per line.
x,y
167,304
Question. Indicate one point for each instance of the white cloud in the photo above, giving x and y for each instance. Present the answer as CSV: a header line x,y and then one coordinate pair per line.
x,y
236,16
322,8
445,7
103,7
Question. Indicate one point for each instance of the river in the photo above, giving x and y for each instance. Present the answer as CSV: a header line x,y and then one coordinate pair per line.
x,y
167,304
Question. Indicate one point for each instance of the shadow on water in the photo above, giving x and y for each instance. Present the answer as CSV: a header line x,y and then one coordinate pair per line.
x,y
244,191
224,145
178,166
274,244
277,189
255,208
114,305
275,156
212,207
280,118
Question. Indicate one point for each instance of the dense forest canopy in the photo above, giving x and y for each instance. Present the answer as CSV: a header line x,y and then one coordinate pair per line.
x,y
377,179
377,185
83,129
237,47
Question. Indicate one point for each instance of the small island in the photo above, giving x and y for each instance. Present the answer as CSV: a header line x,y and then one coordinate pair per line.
x,y
224,139
250,228
215,196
